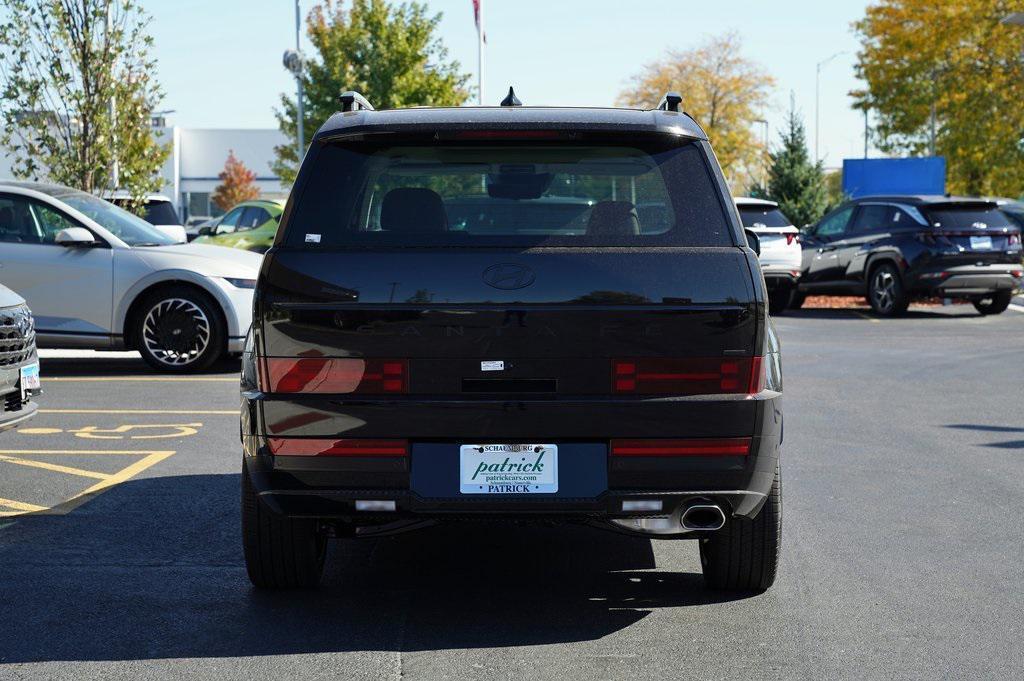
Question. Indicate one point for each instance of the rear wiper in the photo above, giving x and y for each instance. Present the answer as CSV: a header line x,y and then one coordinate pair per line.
x,y
148,243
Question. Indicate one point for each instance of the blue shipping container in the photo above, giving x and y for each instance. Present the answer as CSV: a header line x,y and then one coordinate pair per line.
x,y
867,176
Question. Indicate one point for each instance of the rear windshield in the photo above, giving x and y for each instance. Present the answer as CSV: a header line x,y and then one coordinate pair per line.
x,y
763,217
161,213
451,194
966,217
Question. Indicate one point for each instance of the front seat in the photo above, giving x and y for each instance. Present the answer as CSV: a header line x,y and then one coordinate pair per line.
x,y
613,218
413,210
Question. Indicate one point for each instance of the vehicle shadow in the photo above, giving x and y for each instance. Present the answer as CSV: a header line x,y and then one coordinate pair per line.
x,y
119,366
1009,444
153,569
861,314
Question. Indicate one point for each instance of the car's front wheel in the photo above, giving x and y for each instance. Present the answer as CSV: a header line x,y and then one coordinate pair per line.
x,y
995,304
179,329
885,291
744,554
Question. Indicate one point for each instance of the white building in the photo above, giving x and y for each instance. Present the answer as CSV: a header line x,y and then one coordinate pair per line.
x,y
197,157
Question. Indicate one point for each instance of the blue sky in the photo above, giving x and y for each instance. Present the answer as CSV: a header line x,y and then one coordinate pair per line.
x,y
220,60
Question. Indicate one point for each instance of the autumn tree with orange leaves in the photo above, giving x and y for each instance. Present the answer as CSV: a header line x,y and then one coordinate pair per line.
x,y
724,91
237,184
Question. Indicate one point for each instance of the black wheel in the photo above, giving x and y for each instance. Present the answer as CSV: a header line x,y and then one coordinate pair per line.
x,y
280,552
779,300
885,291
995,304
796,301
179,329
744,554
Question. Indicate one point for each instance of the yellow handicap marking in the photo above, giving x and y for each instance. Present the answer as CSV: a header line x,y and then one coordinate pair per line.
x,y
40,431
149,458
97,433
176,412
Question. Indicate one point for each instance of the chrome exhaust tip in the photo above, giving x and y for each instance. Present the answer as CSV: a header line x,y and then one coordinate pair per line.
x,y
703,518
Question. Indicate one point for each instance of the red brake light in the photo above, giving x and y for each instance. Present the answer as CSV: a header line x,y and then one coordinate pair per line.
x,y
790,238
293,446
692,376
731,446
1014,238
327,375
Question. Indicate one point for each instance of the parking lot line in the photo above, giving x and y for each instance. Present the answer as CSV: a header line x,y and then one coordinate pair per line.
x,y
79,452
186,412
19,506
53,467
1016,308
139,379
116,479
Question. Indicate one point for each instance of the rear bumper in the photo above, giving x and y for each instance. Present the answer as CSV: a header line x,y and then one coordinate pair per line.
x,y
11,419
328,488
777,278
967,282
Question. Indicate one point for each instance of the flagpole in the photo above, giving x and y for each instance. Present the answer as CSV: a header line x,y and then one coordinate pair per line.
x,y
480,52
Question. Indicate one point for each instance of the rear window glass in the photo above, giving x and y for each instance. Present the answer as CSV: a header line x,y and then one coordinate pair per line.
x,y
525,194
966,217
763,217
161,213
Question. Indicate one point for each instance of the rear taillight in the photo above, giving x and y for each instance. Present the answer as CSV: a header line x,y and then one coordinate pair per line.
x,y
293,446
790,238
730,446
692,376
327,375
1014,239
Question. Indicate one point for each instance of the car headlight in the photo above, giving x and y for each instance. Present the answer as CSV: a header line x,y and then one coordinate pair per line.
x,y
241,283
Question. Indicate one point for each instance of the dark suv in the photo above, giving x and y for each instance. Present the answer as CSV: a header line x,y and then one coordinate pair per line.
x,y
464,315
892,249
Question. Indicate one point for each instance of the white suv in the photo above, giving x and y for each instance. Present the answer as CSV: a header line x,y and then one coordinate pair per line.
x,y
780,249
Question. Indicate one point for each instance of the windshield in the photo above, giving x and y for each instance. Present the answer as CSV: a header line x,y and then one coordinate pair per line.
x,y
510,194
129,228
758,218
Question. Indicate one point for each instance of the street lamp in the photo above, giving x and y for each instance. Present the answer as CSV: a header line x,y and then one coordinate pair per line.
x,y
292,61
817,99
764,183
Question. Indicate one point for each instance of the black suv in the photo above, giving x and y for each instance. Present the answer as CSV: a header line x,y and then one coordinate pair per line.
x,y
464,315
892,249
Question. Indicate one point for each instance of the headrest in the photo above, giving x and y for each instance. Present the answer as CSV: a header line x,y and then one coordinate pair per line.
x,y
413,210
613,218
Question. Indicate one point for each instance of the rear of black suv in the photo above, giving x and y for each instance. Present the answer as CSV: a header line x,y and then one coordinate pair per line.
x,y
511,314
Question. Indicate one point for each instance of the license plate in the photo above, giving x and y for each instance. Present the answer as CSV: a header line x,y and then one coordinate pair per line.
x,y
508,469
981,243
29,379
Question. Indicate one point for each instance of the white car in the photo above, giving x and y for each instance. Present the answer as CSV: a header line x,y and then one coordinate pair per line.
x,y
157,210
780,249
99,277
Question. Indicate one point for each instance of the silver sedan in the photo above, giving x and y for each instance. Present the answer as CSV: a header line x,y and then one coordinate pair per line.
x,y
97,276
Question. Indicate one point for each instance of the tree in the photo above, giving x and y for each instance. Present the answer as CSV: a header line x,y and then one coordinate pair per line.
x,y
794,182
387,52
723,90
955,59
236,184
77,94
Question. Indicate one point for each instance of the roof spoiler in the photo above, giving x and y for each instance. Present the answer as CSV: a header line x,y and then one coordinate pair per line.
x,y
672,101
353,101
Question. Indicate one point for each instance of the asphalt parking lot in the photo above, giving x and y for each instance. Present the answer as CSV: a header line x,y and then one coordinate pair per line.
x,y
903,548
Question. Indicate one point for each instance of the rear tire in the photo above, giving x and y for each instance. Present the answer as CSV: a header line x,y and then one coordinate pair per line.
x,y
995,304
885,291
744,555
779,300
280,552
179,330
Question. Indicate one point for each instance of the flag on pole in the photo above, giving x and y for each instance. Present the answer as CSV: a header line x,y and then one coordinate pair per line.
x,y
476,17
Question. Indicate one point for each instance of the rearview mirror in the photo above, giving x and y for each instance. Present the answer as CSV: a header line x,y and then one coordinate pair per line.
x,y
754,241
75,237
205,231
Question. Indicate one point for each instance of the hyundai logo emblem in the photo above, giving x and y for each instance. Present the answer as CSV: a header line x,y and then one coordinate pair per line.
x,y
508,276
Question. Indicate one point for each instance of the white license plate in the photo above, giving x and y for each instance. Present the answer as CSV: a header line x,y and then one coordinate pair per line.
x,y
981,243
29,379
508,469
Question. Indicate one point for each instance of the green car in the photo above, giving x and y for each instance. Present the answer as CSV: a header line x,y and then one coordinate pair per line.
x,y
250,225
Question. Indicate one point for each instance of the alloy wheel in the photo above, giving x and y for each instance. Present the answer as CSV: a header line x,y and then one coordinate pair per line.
x,y
176,331
883,290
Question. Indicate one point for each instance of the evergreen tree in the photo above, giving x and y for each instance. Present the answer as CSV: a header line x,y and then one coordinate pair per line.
x,y
794,182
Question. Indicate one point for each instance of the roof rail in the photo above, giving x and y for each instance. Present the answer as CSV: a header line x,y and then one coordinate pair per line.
x,y
353,101
672,101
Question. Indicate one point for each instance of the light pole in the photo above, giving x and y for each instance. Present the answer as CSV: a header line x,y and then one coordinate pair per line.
x,y
817,100
764,183
292,61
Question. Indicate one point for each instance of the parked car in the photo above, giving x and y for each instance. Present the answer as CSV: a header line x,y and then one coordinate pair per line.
x,y
1013,209
158,211
780,249
539,361
251,225
99,277
19,363
198,227
893,249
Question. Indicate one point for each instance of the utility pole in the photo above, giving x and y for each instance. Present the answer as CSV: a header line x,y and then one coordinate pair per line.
x,y
480,52
866,131
115,168
817,100
764,171
292,61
